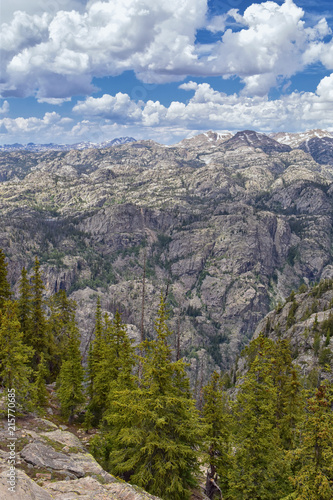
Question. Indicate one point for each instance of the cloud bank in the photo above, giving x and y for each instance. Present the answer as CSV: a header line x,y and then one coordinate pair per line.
x,y
56,55
106,116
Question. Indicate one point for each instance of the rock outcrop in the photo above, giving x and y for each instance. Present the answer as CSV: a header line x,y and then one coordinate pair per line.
x,y
231,224
53,464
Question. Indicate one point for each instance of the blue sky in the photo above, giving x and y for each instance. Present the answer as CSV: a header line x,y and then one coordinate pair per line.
x,y
76,70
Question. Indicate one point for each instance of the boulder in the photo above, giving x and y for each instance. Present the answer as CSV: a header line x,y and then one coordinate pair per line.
x,y
25,488
43,456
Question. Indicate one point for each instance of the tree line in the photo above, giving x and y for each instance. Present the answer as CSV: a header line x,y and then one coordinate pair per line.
x,y
265,438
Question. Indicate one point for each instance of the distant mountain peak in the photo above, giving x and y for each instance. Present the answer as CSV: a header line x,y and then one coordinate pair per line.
x,y
209,138
254,139
297,138
66,147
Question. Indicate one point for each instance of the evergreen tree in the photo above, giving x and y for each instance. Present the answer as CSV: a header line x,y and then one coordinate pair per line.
x,y
289,401
217,417
96,348
114,366
70,380
25,307
14,355
314,478
260,469
62,315
154,429
40,391
40,339
5,292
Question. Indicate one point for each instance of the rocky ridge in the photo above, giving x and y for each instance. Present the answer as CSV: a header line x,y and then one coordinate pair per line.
x,y
230,224
53,463
306,320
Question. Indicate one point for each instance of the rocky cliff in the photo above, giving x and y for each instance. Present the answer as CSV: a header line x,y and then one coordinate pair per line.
x,y
53,463
306,320
229,223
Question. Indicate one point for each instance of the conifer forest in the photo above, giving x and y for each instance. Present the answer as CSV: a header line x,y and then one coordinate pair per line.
x,y
264,434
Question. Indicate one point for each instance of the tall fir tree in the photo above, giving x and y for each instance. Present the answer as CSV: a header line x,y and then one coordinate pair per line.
x,y
5,292
14,355
71,376
115,364
314,456
62,314
96,347
40,392
25,307
260,470
154,430
40,340
217,417
289,396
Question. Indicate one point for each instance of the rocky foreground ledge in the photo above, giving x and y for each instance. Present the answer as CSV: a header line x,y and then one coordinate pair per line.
x,y
54,464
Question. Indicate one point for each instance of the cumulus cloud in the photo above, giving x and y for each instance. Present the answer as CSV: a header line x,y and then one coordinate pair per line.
x,y
271,44
52,125
56,55
4,108
116,107
109,116
208,108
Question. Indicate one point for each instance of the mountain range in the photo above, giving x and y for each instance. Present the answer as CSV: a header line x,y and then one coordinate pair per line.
x,y
225,225
64,147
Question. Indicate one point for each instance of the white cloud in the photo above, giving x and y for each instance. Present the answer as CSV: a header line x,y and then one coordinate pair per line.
x,y
51,126
271,44
54,100
4,108
116,108
111,116
56,54
209,108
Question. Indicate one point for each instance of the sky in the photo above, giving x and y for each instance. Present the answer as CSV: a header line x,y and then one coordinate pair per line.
x,y
78,70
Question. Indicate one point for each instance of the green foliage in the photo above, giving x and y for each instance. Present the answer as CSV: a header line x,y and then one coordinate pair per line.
x,y
217,417
70,380
314,456
40,339
40,391
153,429
62,315
291,315
113,367
95,348
14,355
322,287
5,292
316,343
25,307
293,255
302,288
260,469
193,311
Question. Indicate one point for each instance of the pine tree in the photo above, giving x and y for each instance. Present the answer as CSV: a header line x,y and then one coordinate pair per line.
x,y
260,469
217,417
96,348
114,366
40,391
314,478
71,376
14,355
5,292
40,339
154,429
290,401
25,307
62,315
